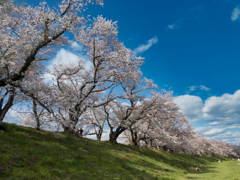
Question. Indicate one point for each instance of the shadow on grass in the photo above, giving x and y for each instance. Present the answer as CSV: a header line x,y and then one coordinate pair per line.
x,y
179,160
73,158
67,156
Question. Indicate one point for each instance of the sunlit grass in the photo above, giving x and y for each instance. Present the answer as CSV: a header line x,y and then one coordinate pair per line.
x,y
26,153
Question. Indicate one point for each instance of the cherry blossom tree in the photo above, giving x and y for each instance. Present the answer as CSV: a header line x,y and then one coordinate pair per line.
x,y
162,125
38,101
203,145
95,121
39,118
78,88
127,111
29,35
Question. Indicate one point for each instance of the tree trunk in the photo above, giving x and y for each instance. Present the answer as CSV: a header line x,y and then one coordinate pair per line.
x,y
36,115
134,138
73,121
99,133
68,129
111,133
99,137
150,143
8,105
113,137
114,134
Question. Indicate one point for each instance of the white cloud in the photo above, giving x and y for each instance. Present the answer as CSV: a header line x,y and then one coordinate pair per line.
x,y
229,134
224,109
221,111
144,47
76,46
201,130
218,131
193,88
214,123
65,56
214,131
236,13
229,137
190,105
13,116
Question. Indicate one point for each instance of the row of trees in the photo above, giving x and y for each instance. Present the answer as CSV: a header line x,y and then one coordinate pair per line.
x,y
107,96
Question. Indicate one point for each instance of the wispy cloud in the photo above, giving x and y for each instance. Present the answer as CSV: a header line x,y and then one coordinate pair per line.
x,y
175,25
204,88
219,130
130,39
236,13
193,88
144,47
214,123
172,26
215,131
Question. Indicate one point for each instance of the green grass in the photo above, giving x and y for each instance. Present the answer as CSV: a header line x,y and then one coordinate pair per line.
x,y
229,170
26,153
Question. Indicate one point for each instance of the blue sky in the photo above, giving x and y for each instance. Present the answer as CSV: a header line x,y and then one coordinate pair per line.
x,y
189,45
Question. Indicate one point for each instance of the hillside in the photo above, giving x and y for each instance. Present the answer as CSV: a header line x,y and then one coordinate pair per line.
x,y
26,153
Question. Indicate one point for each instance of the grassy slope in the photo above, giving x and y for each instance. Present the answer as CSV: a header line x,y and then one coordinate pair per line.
x,y
26,153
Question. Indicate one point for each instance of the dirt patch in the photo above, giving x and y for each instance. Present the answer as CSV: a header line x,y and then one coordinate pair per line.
x,y
238,163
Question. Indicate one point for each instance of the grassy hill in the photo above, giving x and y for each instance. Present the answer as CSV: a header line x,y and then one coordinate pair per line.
x,y
26,153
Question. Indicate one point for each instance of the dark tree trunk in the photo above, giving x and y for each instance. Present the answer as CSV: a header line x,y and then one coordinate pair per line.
x,y
67,129
8,105
134,138
111,133
114,134
99,134
36,115
165,148
99,137
73,122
